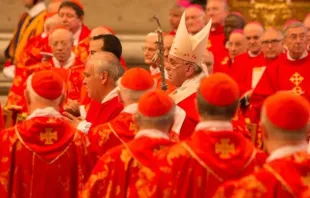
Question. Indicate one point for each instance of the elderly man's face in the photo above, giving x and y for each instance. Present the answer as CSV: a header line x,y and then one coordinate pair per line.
x,y
150,49
253,33
216,11
61,43
194,20
272,44
295,40
69,19
237,44
176,70
175,15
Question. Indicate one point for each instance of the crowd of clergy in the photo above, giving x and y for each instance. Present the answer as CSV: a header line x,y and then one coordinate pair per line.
x,y
79,122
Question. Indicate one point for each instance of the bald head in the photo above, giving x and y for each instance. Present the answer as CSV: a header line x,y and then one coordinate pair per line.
x,y
253,32
217,10
53,6
101,30
194,19
272,43
61,42
150,48
51,23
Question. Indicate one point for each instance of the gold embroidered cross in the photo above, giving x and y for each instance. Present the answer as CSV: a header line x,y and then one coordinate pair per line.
x,y
296,79
224,148
48,136
306,179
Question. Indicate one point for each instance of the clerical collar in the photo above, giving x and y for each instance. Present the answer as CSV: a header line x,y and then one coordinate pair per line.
x,y
110,95
36,9
68,63
76,36
304,55
154,71
131,109
44,35
252,55
214,125
152,133
286,151
45,112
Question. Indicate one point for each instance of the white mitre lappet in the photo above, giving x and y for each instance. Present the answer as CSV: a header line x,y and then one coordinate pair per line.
x,y
188,47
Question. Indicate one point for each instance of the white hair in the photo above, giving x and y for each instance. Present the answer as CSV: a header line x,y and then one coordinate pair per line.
x,y
35,97
113,68
130,95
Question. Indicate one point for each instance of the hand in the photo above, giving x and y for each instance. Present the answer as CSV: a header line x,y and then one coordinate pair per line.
x,y
72,119
72,107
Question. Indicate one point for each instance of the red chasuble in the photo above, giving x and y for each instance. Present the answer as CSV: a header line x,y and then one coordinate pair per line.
x,y
223,65
247,70
42,157
118,171
158,83
106,136
100,113
283,74
287,177
216,43
196,167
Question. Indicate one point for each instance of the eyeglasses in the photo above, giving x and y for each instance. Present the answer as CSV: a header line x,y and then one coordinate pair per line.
x,y
148,49
272,42
295,36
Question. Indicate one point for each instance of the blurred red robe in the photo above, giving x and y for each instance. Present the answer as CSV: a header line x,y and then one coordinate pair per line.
x,y
196,167
216,43
118,172
287,177
42,157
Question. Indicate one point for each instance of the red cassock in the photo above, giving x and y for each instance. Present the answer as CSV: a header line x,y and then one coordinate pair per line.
x,y
158,82
224,65
283,74
111,134
216,43
247,70
73,76
100,113
119,171
196,167
42,157
287,177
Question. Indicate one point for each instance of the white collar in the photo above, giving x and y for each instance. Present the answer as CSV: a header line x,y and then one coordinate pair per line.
x,y
192,81
214,125
154,71
152,133
36,9
110,95
286,151
43,35
253,55
76,36
46,112
131,109
67,65
304,55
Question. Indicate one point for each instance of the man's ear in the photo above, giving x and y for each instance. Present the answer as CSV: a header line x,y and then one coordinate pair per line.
x,y
190,70
104,77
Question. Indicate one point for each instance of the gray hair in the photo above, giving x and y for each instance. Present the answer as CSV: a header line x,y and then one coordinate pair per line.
x,y
296,24
162,123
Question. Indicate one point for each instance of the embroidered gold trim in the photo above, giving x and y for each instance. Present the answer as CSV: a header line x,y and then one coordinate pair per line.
x,y
52,161
279,178
251,159
193,154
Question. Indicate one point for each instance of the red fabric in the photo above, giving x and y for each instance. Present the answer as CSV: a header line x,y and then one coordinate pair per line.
x,y
100,113
280,76
282,105
223,65
47,84
286,178
137,79
219,89
225,155
155,103
192,117
242,70
172,32
111,134
157,79
34,166
216,43
119,171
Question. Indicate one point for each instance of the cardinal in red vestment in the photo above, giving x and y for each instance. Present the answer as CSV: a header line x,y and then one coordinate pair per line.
x,y
122,128
64,62
216,151
43,156
118,172
286,172
289,72
101,87
185,69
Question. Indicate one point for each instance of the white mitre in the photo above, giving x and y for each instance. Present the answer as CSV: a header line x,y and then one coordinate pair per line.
x,y
188,47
